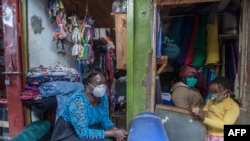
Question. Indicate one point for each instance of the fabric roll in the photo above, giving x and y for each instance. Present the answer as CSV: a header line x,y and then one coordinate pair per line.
x,y
186,31
174,30
212,43
200,46
190,51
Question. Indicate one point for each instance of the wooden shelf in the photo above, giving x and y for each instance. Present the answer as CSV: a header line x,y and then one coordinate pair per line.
x,y
178,2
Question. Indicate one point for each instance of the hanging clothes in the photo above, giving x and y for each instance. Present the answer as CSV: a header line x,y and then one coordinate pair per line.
x,y
60,33
190,51
212,43
87,41
185,32
200,52
53,7
174,30
202,83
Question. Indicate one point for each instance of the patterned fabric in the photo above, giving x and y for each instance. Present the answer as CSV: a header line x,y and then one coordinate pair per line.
x,y
89,122
39,75
214,138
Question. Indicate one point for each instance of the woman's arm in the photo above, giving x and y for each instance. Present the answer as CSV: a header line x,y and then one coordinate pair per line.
x,y
79,119
106,122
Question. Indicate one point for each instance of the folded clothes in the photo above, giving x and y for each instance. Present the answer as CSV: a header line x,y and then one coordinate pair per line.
x,y
59,88
39,75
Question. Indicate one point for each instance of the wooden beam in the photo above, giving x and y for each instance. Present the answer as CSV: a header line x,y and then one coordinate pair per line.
x,y
172,108
178,2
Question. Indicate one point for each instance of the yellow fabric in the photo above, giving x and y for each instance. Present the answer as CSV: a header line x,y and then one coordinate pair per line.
x,y
218,115
212,43
61,5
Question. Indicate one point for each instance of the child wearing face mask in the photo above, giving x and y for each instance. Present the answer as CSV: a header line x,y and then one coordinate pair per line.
x,y
220,110
184,93
86,114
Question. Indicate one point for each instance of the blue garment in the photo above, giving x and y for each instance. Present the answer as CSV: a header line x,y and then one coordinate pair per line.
x,y
89,122
81,68
59,88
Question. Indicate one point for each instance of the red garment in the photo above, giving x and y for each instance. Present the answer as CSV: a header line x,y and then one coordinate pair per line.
x,y
202,84
190,52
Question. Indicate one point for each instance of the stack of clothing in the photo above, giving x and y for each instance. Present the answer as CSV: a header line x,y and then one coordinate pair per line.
x,y
39,75
49,88
49,97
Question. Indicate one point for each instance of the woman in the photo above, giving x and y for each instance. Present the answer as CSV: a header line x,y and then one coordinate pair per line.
x,y
86,114
184,93
221,109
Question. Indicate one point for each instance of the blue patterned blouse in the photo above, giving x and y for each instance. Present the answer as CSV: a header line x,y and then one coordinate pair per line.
x,y
89,122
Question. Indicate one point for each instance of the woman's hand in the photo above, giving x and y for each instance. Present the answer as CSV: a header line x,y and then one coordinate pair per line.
x,y
198,113
120,134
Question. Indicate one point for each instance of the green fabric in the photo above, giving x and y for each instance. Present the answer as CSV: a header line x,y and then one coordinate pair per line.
x,y
174,30
34,131
85,49
200,44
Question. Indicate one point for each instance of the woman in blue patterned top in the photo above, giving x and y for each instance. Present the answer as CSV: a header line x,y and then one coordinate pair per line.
x,y
86,114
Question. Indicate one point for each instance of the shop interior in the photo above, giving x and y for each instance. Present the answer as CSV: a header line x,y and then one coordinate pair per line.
x,y
84,32
198,35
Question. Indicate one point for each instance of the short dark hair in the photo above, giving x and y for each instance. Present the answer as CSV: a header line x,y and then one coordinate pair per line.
x,y
223,82
90,72
226,84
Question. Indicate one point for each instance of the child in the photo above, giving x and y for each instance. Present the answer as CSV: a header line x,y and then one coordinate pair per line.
x,y
220,110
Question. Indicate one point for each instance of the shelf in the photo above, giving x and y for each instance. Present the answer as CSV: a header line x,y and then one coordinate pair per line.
x,y
229,36
178,2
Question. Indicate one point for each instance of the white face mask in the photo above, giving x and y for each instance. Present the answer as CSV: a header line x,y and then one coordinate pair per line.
x,y
218,97
99,90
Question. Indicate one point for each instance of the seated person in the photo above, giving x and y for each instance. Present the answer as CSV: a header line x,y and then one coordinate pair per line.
x,y
86,114
184,93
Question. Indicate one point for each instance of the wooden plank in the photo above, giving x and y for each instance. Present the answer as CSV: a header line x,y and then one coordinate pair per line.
x,y
178,2
153,60
13,63
121,39
130,61
172,108
4,124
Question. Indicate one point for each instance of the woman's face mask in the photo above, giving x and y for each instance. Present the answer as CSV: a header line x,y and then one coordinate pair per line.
x,y
191,82
99,90
218,97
